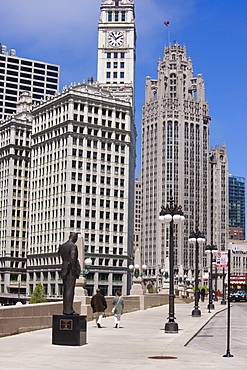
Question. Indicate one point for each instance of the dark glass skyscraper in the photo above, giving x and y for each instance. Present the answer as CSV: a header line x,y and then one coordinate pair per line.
x,y
237,207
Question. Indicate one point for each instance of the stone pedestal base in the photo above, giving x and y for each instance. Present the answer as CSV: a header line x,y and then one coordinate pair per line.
x,y
69,330
136,289
165,288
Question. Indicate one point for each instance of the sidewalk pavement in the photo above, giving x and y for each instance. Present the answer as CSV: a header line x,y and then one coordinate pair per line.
x,y
140,336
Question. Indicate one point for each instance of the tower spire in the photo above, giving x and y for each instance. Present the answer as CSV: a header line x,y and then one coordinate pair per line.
x,y
116,47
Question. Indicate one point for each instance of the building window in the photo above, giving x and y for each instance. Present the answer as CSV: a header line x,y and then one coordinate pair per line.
x,y
122,55
123,17
116,16
108,74
108,64
115,65
121,64
114,74
115,55
121,74
110,16
108,55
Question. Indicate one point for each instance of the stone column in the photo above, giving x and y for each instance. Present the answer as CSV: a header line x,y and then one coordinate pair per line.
x,y
80,292
137,280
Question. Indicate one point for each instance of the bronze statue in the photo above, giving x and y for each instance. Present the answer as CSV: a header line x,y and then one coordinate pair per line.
x,y
70,272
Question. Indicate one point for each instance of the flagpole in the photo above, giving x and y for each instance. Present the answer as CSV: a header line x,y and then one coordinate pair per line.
x,y
167,24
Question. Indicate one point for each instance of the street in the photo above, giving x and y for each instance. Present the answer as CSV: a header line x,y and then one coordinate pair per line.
x,y
213,336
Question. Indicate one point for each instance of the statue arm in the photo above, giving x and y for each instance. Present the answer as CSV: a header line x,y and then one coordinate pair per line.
x,y
74,259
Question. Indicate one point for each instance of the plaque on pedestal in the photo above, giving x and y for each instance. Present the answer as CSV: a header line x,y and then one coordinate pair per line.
x,y
69,330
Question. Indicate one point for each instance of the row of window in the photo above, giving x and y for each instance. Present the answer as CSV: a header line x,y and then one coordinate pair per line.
x,y
117,16
94,179
103,168
92,190
13,72
93,155
29,63
28,82
115,55
95,110
115,74
115,65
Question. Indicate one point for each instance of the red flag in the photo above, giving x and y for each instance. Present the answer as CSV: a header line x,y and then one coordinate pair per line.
x,y
167,23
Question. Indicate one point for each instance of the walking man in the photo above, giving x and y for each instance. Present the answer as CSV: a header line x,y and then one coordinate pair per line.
x,y
99,305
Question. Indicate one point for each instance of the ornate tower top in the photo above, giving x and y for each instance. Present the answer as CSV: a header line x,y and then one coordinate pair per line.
x,y
116,47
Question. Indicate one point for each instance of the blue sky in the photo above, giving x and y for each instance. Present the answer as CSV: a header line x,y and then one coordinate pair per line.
x,y
214,32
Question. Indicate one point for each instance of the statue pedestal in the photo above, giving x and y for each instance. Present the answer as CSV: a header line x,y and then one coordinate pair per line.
x,y
81,294
137,288
69,330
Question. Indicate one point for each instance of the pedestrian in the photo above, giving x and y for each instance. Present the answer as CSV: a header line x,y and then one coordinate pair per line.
x,y
218,294
118,303
99,305
202,294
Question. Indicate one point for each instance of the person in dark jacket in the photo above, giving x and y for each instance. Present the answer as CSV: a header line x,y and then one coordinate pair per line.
x,y
69,272
99,305
202,292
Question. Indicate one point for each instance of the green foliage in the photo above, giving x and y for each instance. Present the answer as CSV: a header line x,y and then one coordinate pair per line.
x,y
205,287
38,295
151,289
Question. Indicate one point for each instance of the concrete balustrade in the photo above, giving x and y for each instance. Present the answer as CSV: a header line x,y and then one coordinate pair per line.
x,y
29,317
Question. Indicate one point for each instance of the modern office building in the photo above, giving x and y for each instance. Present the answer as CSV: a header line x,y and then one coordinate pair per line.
x,y
218,195
236,207
175,139
18,74
15,157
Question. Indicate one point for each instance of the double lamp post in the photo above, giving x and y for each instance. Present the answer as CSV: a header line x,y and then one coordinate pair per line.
x,y
197,238
171,214
211,249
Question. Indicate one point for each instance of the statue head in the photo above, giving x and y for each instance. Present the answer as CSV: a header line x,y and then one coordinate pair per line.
x,y
73,236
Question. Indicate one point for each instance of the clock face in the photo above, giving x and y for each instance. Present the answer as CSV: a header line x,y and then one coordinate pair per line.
x,y
116,38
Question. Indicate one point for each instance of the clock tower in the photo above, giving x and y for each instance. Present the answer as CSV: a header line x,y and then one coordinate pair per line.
x,y
116,47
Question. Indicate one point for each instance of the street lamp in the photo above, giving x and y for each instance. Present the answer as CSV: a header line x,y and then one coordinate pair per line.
x,y
88,263
172,214
18,303
83,271
210,249
136,271
196,237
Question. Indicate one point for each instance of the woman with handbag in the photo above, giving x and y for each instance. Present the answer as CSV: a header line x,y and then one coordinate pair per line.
x,y
118,303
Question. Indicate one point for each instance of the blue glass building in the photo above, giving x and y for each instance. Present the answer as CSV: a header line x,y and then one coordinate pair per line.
x,y
237,205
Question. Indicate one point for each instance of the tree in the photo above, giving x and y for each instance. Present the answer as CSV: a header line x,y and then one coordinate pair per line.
x,y
38,295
